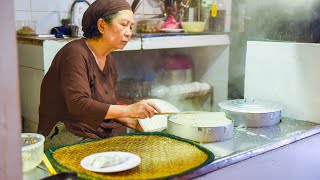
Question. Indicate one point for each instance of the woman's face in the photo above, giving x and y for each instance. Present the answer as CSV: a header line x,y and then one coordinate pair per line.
x,y
119,31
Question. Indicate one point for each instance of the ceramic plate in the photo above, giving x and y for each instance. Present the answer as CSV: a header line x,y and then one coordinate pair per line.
x,y
132,161
171,30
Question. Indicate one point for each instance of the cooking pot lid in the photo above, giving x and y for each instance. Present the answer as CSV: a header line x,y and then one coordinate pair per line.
x,y
250,106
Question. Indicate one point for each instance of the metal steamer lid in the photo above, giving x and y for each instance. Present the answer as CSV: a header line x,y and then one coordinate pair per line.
x,y
250,106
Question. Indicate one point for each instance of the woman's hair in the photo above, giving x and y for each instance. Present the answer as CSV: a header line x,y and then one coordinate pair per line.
x,y
93,31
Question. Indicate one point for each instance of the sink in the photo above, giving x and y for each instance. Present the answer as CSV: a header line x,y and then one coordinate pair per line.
x,y
50,36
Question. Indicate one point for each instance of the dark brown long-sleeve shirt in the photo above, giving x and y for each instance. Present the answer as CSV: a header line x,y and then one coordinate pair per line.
x,y
77,92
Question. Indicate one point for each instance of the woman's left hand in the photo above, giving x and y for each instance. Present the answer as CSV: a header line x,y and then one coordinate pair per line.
x,y
132,123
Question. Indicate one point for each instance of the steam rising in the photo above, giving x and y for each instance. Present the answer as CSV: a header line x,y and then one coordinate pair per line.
x,y
281,20
143,66
275,20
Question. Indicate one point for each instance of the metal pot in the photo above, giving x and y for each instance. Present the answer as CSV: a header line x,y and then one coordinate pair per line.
x,y
201,126
252,112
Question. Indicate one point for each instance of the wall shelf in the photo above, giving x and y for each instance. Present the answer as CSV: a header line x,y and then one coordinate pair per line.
x,y
180,41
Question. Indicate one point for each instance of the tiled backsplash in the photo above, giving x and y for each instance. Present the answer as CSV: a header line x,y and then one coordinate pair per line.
x,y
48,13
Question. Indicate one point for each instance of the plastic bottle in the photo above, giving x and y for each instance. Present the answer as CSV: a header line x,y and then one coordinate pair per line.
x,y
217,18
206,11
193,11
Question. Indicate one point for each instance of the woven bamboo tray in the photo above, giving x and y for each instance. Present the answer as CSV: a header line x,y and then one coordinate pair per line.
x,y
162,156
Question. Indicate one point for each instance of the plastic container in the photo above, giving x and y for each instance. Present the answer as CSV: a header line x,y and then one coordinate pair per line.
x,y
32,150
26,28
175,69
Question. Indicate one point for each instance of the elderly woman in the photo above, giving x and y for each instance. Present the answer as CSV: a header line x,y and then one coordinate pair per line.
x,y
77,99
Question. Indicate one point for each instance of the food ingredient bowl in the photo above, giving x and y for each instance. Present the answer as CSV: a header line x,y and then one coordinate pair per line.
x,y
32,150
195,26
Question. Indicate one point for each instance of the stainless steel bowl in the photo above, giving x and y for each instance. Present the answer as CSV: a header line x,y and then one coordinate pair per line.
x,y
252,112
201,126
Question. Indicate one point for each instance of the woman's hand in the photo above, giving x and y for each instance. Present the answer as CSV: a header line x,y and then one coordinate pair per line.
x,y
142,109
132,123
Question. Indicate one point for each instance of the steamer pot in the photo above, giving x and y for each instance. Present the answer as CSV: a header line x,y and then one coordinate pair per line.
x,y
252,112
201,126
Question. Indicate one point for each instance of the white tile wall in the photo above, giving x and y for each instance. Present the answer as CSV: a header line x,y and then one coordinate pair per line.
x,y
51,5
48,13
23,15
152,7
47,20
22,5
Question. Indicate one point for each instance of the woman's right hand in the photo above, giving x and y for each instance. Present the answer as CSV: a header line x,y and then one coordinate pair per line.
x,y
142,109
132,123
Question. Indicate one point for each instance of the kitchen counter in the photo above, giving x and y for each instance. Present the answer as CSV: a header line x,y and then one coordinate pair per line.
x,y
246,143
249,142
38,40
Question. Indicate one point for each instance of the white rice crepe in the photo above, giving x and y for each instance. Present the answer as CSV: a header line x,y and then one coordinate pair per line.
x,y
105,161
202,119
158,122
